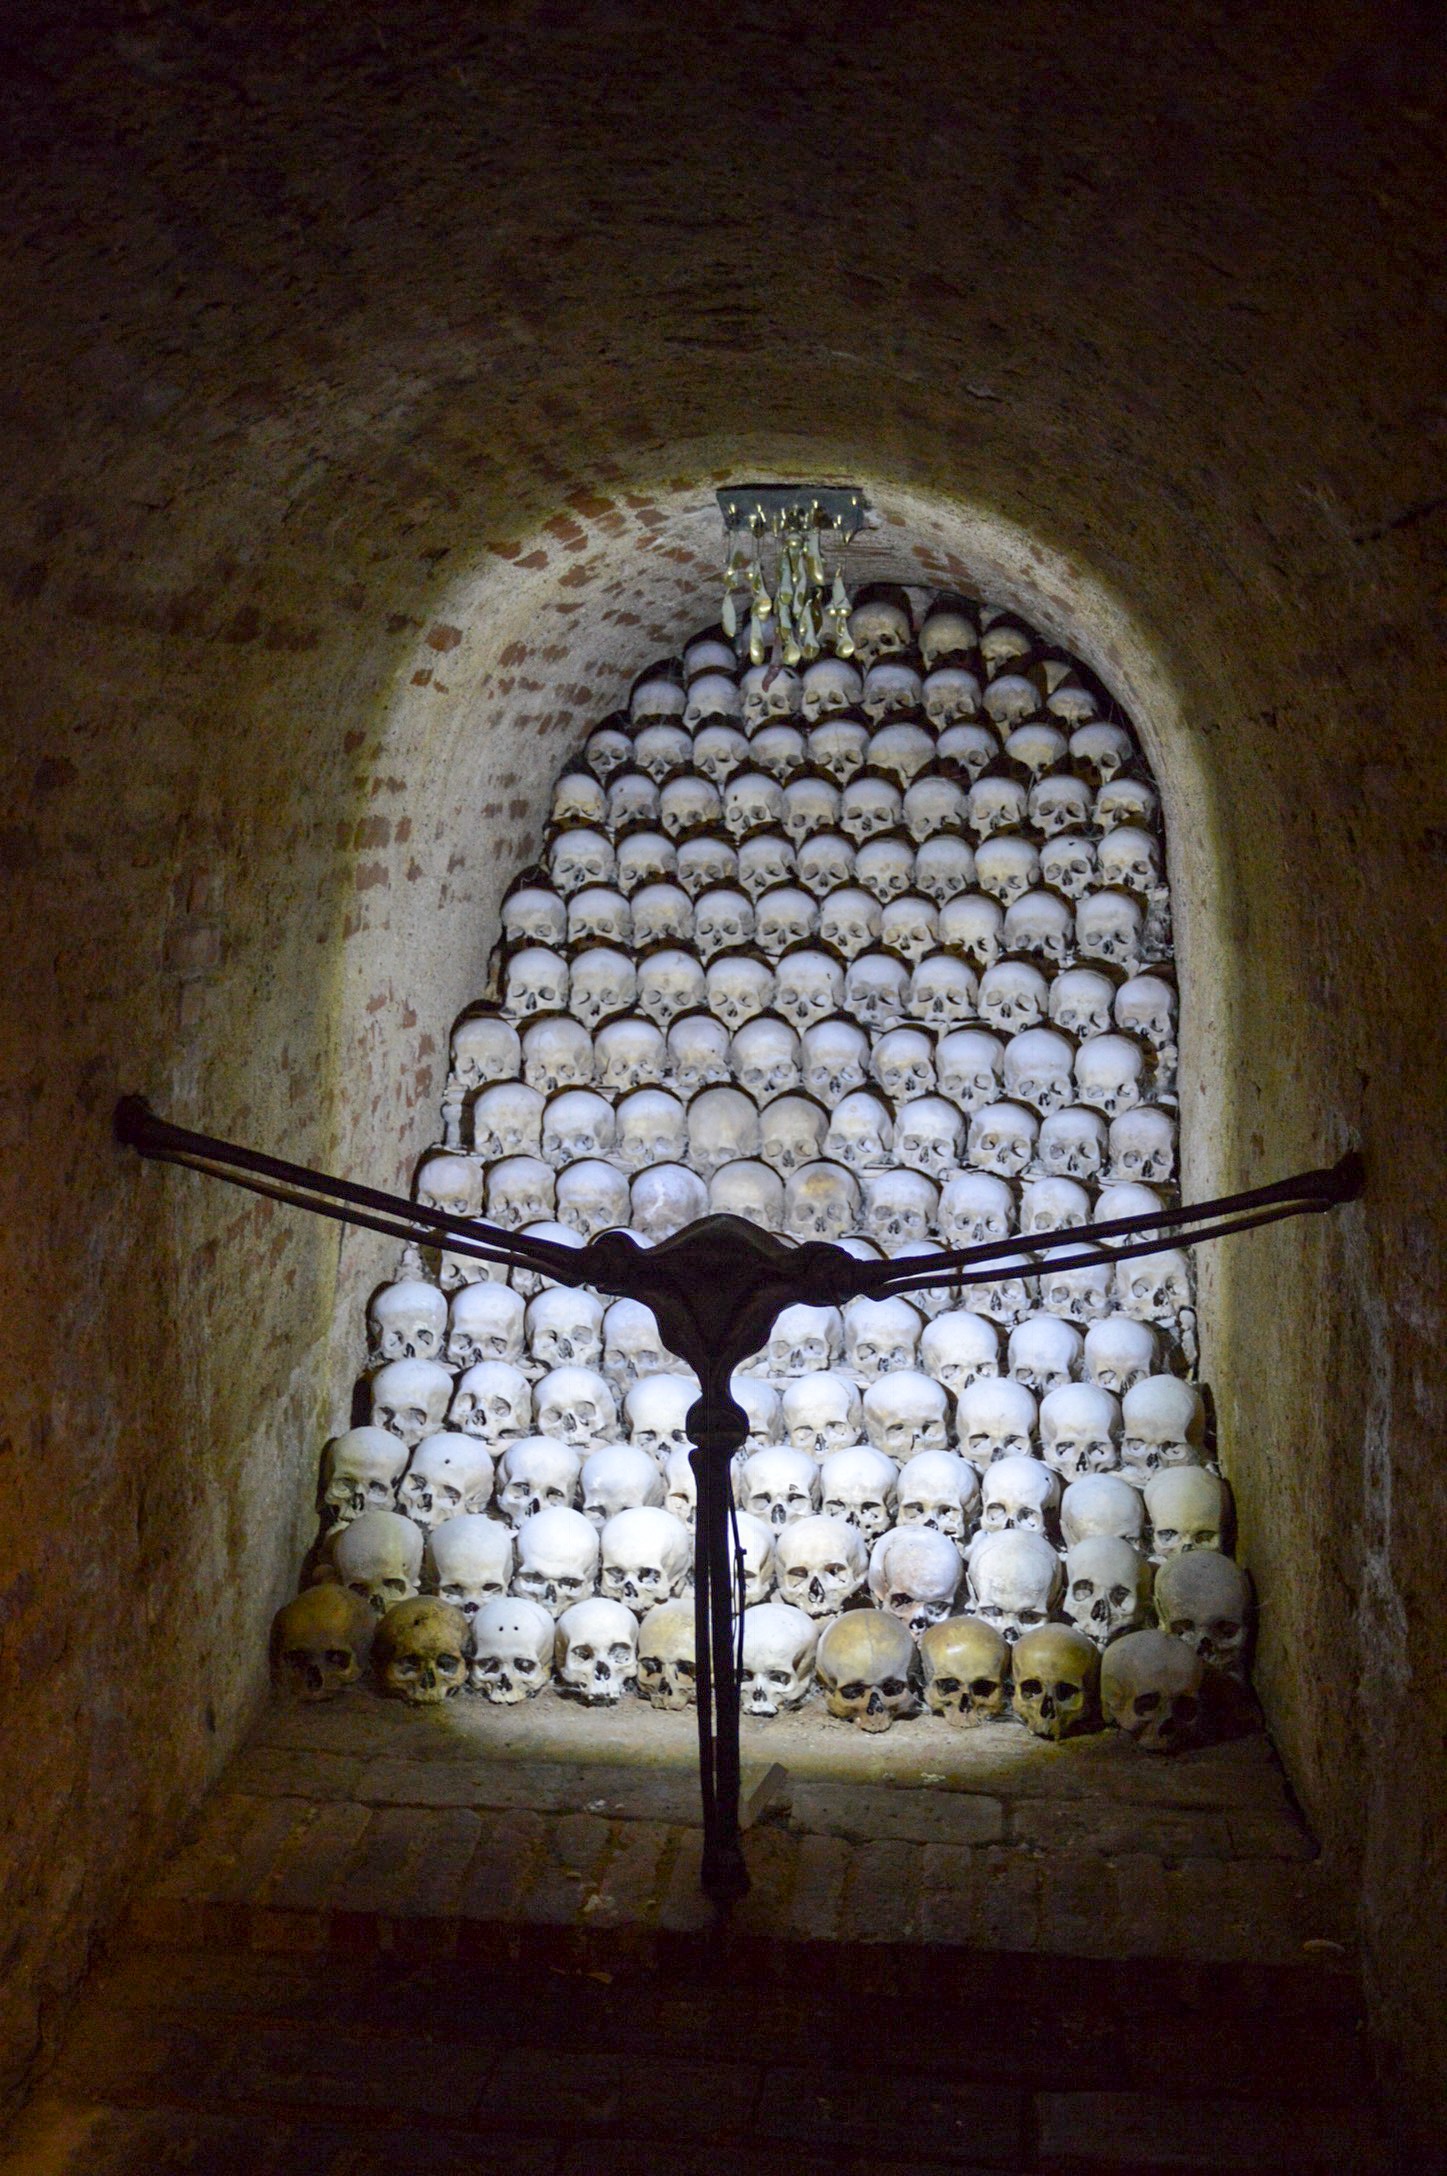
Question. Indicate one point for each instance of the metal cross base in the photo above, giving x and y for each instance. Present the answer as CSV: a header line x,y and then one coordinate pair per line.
x,y
716,1290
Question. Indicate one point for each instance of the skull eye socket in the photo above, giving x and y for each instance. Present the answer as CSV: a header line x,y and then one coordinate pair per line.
x,y
1146,1703
855,1690
948,1685
892,1687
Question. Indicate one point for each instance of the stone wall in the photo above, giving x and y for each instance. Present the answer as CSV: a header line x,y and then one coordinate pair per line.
x,y
366,386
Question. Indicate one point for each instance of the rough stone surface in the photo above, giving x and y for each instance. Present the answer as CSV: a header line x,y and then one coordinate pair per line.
x,y
367,382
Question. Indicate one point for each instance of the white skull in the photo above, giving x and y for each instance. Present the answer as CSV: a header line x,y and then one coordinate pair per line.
x,y
557,1054
632,799
1127,801
1007,868
580,857
1018,1495
535,915
1013,995
821,1564
752,800
1109,1073
880,1337
596,1651
575,1406
1036,745
698,1047
889,691
1078,1295
713,692
680,1485
360,1473
669,982
950,695
1130,860
996,1419
792,1132
651,1129
1056,804
810,804
938,1490
512,1650
974,926
557,1559
507,1121
808,985
942,990
706,864
645,857
850,921
408,1321
1163,1422
878,627
779,750
900,1207
906,1412
1009,697
1101,1503
1073,704
966,1665
770,691
492,1400
821,1413
528,1281
944,870
904,1064
1002,1139
632,1347
1072,1143
764,1059
1120,1353
619,1477
646,1557
914,1575
1146,1006
1008,1294
484,1049
839,748
1055,1670
665,1199
378,1557
803,1339
661,914
830,685
884,869
1041,927
537,1473
657,1411
929,1136
1013,1580
876,990
756,1545
997,805
821,1201
576,1123
779,1644
450,1183
861,1132
606,750
537,981
865,1664
723,1125
1107,1588
448,1474
861,1485
909,926
1080,1429
750,1190
826,863
1099,749
778,1484
1188,1509
1150,1687
836,1058
688,805
1053,1205
597,914
667,1656
967,749
763,860
409,1398
1143,1145
869,806
1044,1354
970,1063
656,694
948,631
592,1197
1203,1599
739,986
930,1299
1155,1287
469,1561
519,1191
760,1401
975,1206
958,1348
718,751
1109,926
1067,866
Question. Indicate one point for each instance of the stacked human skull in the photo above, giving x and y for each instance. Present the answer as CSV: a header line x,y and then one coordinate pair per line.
x,y
876,953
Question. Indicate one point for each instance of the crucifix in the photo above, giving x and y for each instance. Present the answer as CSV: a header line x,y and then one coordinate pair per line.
x,y
716,1289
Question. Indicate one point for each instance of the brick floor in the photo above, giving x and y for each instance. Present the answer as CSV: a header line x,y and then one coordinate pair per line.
x,y
382,1952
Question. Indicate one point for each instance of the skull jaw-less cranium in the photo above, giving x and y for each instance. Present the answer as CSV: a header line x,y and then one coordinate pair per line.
x,y
320,1643
866,1665
966,1665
